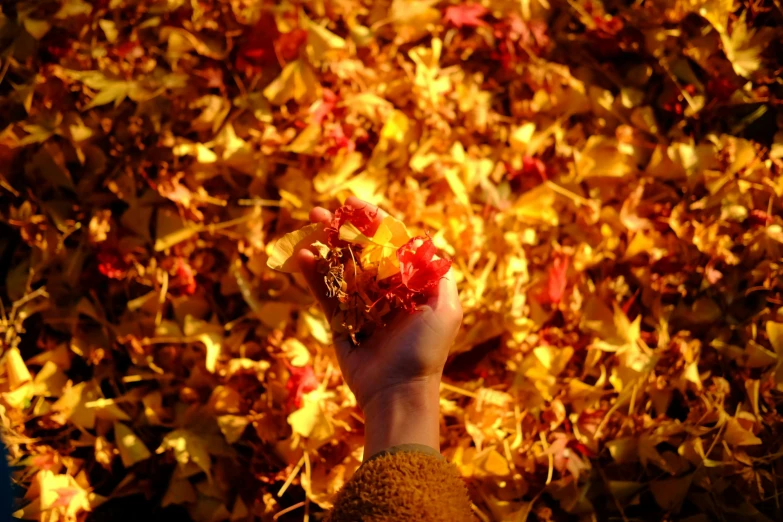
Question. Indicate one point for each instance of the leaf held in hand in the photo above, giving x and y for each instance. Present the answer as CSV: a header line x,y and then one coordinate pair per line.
x,y
420,266
281,256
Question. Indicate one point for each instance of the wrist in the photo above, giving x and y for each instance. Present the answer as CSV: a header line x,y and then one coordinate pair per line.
x,y
405,413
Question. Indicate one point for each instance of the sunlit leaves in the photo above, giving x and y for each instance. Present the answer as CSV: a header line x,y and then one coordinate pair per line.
x,y
604,177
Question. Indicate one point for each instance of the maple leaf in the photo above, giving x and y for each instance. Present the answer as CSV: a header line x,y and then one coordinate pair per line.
x,y
556,282
185,277
465,15
420,267
363,218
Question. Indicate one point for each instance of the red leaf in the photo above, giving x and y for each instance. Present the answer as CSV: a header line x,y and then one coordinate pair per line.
x,y
760,218
130,49
326,106
420,268
302,380
338,140
721,88
532,167
259,48
556,281
465,15
185,277
112,265
213,76
360,217
64,496
44,461
289,43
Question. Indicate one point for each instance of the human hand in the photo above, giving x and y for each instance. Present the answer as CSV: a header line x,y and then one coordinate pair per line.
x,y
395,374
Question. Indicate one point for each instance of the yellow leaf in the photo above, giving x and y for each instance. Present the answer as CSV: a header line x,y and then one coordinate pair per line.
x,y
457,186
188,448
274,314
744,46
296,82
396,128
281,254
316,326
239,511
212,344
296,352
321,41
756,356
132,449
371,106
36,28
623,450
381,249
225,399
412,18
16,369
202,153
171,229
107,409
232,427
775,333
322,249
53,488
349,232
180,491
311,421
537,206
307,140
495,464
73,405
50,380
670,493
736,435
109,29
604,157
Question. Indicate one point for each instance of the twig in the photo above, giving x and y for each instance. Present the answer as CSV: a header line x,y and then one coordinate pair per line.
x,y
291,477
455,389
288,510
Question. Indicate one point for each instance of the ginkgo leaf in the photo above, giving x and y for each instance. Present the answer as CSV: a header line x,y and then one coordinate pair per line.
x,y
744,46
16,369
180,491
281,254
321,41
132,449
188,448
296,82
232,426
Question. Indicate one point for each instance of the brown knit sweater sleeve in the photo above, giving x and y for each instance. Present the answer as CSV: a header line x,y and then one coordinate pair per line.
x,y
403,486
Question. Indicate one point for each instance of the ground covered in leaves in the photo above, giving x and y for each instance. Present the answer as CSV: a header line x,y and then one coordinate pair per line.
x,y
605,176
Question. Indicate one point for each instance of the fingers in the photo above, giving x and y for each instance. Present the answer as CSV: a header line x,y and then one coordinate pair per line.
x,y
320,215
315,280
445,302
355,202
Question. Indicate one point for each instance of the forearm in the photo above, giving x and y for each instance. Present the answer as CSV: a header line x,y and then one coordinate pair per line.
x,y
403,414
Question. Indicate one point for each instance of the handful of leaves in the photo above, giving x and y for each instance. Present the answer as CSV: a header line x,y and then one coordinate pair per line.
x,y
371,265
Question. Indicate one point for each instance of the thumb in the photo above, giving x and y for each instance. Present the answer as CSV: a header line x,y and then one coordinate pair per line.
x,y
316,281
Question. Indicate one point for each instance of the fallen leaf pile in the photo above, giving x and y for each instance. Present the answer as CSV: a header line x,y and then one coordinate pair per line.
x,y
605,176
